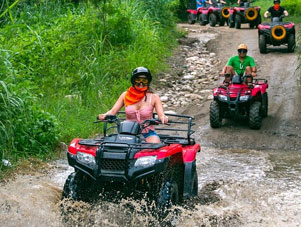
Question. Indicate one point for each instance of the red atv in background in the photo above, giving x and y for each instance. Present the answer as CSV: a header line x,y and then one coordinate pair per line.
x,y
244,14
122,161
276,33
212,14
239,100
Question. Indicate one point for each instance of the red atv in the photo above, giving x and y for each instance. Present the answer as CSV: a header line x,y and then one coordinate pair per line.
x,y
123,161
212,14
244,14
239,100
276,33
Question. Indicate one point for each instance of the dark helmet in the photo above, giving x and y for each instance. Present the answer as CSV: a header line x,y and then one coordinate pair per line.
x,y
141,71
276,1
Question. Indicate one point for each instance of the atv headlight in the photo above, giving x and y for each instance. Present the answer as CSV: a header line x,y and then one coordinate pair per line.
x,y
244,98
146,161
222,98
85,158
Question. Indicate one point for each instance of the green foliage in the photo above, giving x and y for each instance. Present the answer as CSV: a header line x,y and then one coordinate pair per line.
x,y
25,129
73,59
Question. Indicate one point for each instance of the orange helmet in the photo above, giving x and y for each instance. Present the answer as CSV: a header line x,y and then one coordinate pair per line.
x,y
242,47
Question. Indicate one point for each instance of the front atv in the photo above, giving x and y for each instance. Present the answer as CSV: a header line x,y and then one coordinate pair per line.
x,y
244,15
276,33
123,161
239,100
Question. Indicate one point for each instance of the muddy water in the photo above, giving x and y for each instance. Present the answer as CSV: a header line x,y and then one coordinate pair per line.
x,y
236,188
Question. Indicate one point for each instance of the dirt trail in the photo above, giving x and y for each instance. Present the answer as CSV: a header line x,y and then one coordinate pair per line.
x,y
282,128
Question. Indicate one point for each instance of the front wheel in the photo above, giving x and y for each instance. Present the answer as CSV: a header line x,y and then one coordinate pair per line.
x,y
291,43
77,187
215,115
254,115
169,194
231,23
237,21
212,19
190,19
262,44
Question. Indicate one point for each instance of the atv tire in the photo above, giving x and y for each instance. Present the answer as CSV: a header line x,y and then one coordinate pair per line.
x,y
212,19
237,21
168,195
202,23
291,44
190,19
254,115
76,187
264,105
222,22
231,24
215,115
262,44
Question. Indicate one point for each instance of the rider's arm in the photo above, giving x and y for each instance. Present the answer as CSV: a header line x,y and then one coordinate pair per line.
x,y
159,109
117,106
253,67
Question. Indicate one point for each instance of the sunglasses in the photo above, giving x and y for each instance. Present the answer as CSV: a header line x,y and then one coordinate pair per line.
x,y
242,51
141,80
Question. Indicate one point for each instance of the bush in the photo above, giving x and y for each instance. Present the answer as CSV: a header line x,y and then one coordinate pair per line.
x,y
25,129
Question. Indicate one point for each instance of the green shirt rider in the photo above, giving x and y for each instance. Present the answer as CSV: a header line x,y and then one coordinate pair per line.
x,y
241,64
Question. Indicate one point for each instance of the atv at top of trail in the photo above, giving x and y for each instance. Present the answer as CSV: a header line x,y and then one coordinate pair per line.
x,y
276,33
244,14
122,161
216,13
239,100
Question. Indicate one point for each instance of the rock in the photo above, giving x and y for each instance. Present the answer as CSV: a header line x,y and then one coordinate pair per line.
x,y
189,77
6,163
164,98
212,55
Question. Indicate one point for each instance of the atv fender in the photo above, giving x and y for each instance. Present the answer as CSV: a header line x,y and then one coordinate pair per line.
x,y
190,169
192,11
189,154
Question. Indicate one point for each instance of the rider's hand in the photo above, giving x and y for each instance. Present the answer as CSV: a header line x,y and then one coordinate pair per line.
x,y
253,74
102,117
164,119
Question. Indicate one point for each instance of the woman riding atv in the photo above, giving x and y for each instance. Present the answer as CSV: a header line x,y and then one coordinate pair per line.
x,y
276,10
139,101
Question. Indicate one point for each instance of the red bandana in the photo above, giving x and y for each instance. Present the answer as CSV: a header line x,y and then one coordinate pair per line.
x,y
276,7
134,95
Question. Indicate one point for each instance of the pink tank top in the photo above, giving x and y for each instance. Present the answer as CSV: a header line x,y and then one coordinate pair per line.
x,y
140,115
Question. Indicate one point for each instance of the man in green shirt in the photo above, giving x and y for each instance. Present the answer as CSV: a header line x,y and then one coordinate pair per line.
x,y
241,64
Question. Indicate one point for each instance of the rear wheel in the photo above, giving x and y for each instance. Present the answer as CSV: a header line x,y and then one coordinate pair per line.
x,y
264,105
291,43
254,115
237,21
262,44
190,19
212,19
215,116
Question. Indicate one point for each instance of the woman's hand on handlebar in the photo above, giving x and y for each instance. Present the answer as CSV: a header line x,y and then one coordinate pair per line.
x,y
164,119
101,117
